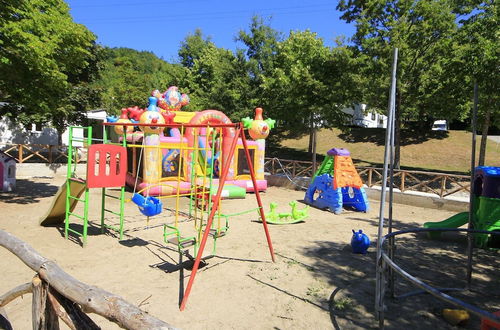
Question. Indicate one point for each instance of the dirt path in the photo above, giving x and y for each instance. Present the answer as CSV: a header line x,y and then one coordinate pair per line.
x,y
316,282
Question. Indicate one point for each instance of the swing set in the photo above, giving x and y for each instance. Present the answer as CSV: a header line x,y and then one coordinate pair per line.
x,y
209,156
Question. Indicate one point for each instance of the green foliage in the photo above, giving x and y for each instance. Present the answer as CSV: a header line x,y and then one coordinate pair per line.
x,y
307,83
477,55
261,47
422,31
192,48
129,76
44,61
218,80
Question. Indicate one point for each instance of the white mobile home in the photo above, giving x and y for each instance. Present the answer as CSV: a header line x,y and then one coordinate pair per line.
x,y
366,118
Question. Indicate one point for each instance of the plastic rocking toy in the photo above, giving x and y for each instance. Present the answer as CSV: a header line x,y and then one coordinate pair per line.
x,y
149,206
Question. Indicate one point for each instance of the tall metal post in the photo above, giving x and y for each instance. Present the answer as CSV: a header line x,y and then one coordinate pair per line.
x,y
380,281
222,179
470,237
392,153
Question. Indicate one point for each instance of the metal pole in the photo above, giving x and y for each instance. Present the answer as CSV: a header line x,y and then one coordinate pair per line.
x,y
379,294
257,195
225,170
391,191
470,238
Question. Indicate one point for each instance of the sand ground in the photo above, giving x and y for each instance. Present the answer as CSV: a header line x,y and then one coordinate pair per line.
x,y
315,283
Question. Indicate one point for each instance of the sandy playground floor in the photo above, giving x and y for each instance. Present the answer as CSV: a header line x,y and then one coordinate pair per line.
x,y
315,283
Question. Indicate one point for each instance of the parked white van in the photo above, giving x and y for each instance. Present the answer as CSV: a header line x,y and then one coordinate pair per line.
x,y
440,125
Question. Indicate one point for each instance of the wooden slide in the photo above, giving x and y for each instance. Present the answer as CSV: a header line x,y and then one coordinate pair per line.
x,y
57,210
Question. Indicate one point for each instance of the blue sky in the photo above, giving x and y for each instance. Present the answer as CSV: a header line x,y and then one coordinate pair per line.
x,y
160,26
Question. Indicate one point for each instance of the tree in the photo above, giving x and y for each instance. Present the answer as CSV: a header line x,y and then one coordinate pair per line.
x,y
261,44
43,59
129,76
218,80
422,31
477,58
192,48
307,86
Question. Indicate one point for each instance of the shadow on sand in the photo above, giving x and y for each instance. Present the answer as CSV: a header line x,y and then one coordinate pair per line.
x,y
28,192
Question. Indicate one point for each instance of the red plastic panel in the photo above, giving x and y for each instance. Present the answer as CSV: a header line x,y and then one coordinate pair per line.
x,y
106,166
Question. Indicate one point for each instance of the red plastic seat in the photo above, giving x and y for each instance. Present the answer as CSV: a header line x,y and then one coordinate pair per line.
x,y
106,166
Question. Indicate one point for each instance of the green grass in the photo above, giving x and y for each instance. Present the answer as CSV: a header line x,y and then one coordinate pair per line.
x,y
433,150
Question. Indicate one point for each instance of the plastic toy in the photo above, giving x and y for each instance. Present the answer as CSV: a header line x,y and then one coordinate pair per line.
x,y
283,218
123,119
258,128
359,242
456,317
486,212
336,184
7,172
274,217
299,215
149,206
169,161
490,325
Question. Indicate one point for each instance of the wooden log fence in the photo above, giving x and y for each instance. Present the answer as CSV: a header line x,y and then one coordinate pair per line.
x,y
57,295
441,184
36,153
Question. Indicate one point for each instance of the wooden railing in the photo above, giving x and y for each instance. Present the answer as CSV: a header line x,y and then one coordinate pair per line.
x,y
44,153
441,184
56,295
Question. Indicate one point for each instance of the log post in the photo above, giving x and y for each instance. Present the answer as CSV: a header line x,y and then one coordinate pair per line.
x,y
403,179
20,153
443,186
43,314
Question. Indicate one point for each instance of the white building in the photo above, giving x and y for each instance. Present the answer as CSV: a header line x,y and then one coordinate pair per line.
x,y
11,133
365,118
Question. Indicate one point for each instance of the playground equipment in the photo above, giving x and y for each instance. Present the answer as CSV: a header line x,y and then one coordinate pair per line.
x,y
283,218
385,260
486,208
7,172
337,184
359,242
106,168
162,166
299,215
202,156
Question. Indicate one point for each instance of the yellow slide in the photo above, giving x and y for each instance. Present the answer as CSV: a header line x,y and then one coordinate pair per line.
x,y
57,210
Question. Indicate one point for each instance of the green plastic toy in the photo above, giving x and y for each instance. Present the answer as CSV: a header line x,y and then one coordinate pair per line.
x,y
277,218
298,215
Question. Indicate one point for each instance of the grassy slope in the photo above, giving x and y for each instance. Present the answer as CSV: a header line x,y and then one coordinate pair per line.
x,y
437,151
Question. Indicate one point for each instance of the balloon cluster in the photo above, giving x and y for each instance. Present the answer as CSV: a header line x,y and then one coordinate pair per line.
x,y
171,99
161,110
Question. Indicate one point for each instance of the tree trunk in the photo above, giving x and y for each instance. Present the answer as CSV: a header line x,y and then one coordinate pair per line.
x,y
484,137
314,152
397,132
91,299
311,132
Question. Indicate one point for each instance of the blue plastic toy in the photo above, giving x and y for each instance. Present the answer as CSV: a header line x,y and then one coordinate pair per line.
x,y
336,184
359,242
149,206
